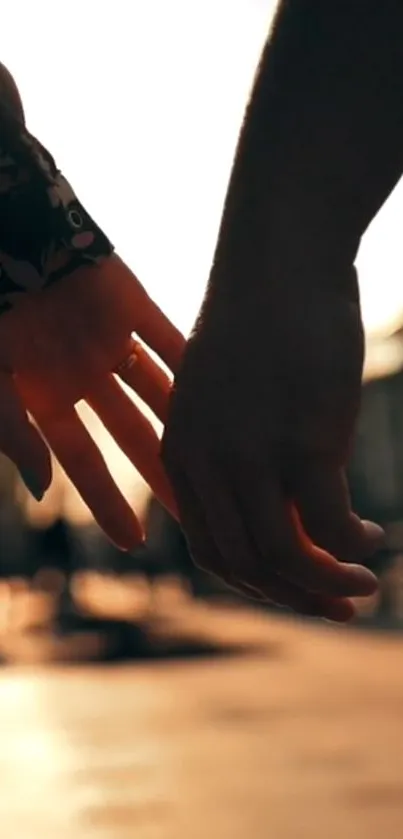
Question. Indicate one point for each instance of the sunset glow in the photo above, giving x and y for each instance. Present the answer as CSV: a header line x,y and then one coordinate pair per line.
x,y
141,104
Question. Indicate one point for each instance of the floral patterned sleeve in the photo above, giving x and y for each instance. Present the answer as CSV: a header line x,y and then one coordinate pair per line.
x,y
45,233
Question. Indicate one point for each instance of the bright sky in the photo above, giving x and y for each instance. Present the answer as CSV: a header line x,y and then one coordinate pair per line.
x,y
141,102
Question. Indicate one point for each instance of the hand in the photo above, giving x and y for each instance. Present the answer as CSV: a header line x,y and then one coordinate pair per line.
x,y
63,345
261,423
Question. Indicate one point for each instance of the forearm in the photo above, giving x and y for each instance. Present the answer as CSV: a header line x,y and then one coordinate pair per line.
x,y
45,233
322,142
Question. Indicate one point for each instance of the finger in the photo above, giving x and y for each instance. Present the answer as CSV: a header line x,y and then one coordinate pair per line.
x,y
309,604
134,435
276,530
146,378
150,322
235,560
204,551
160,334
83,463
20,440
322,499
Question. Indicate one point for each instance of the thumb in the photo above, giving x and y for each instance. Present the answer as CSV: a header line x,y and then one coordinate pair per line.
x,y
20,440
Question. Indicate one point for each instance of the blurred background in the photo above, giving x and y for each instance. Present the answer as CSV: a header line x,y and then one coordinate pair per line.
x,y
137,695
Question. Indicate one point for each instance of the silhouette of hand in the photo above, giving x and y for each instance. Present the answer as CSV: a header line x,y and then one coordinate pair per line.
x,y
261,422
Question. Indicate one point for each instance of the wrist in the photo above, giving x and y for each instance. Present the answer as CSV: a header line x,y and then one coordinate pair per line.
x,y
282,247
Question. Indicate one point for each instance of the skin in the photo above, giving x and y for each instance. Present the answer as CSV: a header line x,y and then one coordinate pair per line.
x,y
264,408
262,417
60,346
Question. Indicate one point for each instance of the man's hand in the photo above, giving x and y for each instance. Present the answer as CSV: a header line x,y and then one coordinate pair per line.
x,y
260,427
63,345
265,405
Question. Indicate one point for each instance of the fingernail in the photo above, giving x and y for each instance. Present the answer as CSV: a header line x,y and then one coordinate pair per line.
x,y
376,535
32,483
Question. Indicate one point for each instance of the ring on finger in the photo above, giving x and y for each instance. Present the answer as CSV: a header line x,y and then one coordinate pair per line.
x,y
131,359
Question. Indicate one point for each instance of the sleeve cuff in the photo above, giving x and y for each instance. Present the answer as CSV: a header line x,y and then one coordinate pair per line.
x,y
45,232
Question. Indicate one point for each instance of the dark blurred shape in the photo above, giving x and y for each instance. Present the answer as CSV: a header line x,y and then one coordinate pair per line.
x,y
13,548
69,595
50,547
166,548
376,467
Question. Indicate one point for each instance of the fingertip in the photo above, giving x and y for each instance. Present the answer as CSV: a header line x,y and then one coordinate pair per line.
x,y
340,611
127,537
375,535
362,579
120,524
132,544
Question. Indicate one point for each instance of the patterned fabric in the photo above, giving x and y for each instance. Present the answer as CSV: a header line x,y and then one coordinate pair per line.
x,y
45,233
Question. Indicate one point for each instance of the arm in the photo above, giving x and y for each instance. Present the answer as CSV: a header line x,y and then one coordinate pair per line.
x,y
45,233
262,416
321,146
62,346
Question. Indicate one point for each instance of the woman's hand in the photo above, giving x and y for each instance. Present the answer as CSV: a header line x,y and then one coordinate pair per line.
x,y
63,345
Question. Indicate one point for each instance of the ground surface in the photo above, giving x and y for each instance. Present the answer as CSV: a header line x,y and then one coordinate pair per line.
x,y
300,736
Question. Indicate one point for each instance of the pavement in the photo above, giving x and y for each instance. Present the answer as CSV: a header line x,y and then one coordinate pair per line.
x,y
288,730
